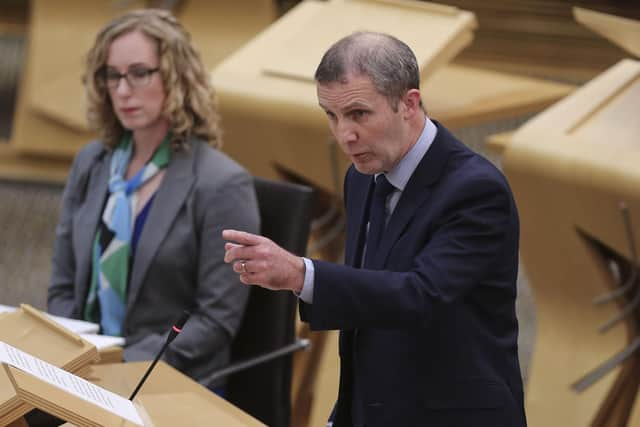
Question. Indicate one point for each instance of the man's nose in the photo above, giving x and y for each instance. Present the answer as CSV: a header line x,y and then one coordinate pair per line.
x,y
345,133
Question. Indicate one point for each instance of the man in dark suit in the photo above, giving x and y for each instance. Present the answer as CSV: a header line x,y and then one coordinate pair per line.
x,y
426,300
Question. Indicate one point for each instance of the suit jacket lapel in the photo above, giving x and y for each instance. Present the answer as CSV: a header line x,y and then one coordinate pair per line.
x,y
169,198
86,223
415,193
357,218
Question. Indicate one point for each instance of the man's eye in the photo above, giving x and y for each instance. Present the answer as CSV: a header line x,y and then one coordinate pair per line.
x,y
356,114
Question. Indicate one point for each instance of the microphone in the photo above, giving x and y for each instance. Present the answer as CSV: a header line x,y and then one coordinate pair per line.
x,y
175,330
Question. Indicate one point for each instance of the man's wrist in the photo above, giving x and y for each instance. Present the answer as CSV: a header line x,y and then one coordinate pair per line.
x,y
306,292
299,278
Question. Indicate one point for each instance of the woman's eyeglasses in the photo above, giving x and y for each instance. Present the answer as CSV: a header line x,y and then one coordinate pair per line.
x,y
136,76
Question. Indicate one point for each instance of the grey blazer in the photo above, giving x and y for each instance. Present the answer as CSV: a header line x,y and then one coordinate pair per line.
x,y
178,264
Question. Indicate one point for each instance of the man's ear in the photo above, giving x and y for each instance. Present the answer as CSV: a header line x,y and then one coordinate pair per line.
x,y
411,101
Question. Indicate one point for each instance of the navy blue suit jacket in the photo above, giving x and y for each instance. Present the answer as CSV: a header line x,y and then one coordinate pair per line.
x,y
437,330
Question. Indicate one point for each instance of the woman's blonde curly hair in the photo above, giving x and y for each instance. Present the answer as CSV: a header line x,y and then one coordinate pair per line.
x,y
190,102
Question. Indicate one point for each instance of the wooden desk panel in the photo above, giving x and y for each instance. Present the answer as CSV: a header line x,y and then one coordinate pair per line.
x,y
122,378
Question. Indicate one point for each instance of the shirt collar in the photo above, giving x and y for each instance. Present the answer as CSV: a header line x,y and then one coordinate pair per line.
x,y
400,174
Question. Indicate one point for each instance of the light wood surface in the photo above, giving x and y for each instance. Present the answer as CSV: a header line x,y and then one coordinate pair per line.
x,y
570,167
219,27
541,38
33,332
17,166
461,96
620,30
327,382
436,33
112,354
20,422
122,378
49,398
50,91
190,409
499,142
173,399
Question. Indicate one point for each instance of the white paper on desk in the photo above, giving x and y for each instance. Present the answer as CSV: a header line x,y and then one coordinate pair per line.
x,y
6,308
75,325
103,341
70,383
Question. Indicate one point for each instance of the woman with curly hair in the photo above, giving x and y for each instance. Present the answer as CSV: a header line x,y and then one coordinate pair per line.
x,y
139,237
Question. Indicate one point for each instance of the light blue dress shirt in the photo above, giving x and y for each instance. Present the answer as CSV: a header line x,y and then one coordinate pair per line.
x,y
398,177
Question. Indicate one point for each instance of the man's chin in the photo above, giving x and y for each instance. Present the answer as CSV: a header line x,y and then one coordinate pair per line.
x,y
366,168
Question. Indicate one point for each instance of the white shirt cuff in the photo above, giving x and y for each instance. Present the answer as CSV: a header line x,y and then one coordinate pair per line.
x,y
306,294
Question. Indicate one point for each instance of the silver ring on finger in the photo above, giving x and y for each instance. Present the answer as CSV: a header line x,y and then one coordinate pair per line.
x,y
243,264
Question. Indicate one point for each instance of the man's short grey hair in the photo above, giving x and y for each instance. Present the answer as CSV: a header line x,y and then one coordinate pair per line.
x,y
387,61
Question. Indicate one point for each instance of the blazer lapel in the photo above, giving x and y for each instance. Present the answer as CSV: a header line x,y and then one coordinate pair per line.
x,y
357,218
86,223
415,193
169,198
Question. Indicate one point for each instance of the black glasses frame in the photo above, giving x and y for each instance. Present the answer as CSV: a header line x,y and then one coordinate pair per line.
x,y
148,72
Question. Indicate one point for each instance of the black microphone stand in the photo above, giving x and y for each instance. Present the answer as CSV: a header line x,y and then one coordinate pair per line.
x,y
175,330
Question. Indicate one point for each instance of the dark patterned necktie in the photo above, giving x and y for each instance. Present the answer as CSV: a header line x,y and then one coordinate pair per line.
x,y
377,218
